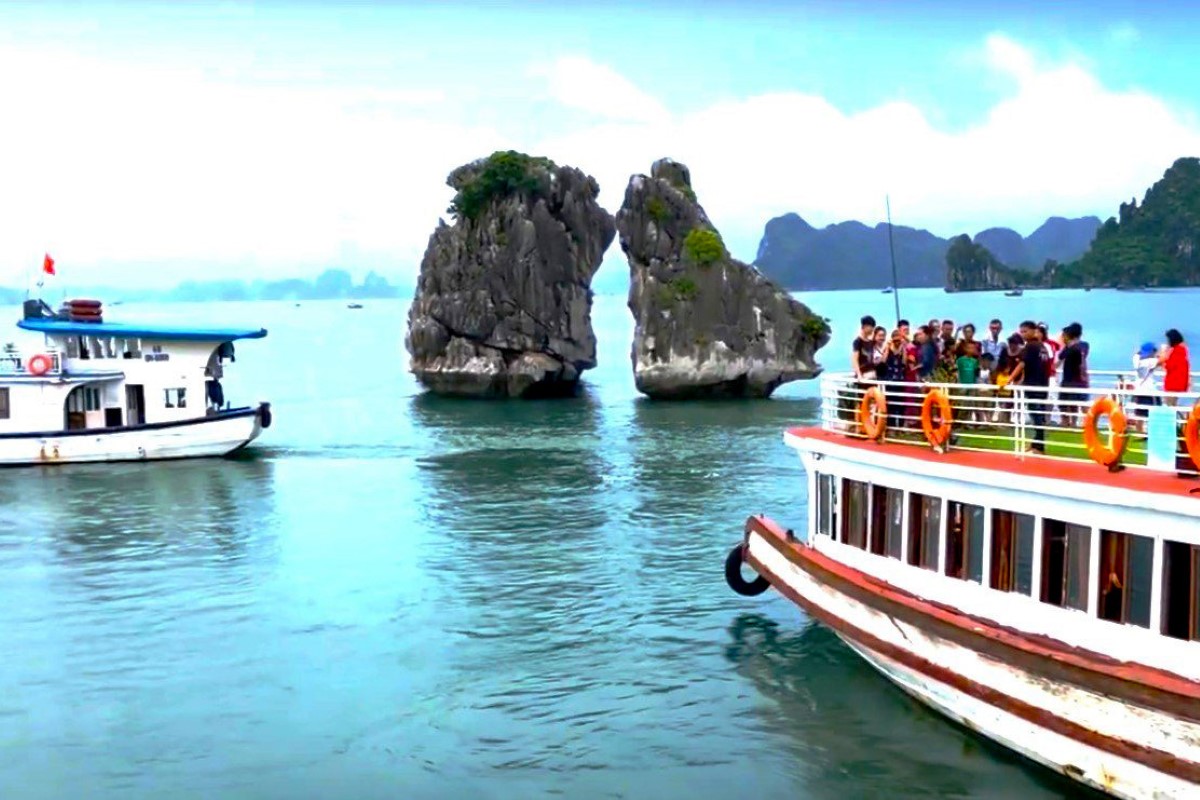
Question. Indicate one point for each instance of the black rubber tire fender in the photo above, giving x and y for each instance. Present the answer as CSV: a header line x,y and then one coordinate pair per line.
x,y
733,575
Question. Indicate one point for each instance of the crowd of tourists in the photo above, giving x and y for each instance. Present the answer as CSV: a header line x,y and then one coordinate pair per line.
x,y
941,352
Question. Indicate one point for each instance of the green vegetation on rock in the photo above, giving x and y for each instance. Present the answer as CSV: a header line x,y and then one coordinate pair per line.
x,y
502,174
1155,244
703,246
657,209
815,327
681,288
971,266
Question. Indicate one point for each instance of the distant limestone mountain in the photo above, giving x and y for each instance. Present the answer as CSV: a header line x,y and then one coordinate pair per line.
x,y
851,255
1155,244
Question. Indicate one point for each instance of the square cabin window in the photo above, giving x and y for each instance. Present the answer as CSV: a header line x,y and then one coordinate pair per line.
x,y
5,412
175,398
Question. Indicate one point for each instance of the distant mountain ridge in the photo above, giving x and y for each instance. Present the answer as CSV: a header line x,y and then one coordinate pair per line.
x,y
851,255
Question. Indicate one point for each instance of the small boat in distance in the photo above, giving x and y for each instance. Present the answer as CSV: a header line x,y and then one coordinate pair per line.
x,y
354,305
99,391
1047,600
1014,293
888,290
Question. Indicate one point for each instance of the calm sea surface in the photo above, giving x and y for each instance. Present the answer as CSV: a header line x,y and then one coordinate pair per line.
x,y
394,595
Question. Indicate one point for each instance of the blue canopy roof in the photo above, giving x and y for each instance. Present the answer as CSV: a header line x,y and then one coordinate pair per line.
x,y
164,332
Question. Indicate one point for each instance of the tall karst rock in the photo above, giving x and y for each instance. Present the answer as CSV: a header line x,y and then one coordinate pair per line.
x,y
707,325
503,302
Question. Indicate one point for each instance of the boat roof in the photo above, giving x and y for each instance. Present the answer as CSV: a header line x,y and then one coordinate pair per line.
x,y
164,332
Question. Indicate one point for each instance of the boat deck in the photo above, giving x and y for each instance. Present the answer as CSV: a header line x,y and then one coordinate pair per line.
x,y
1138,480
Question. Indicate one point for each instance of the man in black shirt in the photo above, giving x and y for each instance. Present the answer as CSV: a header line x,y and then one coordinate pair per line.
x,y
1031,371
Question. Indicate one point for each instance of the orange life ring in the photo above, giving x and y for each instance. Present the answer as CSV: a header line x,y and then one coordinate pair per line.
x,y
1107,455
39,364
941,434
872,413
1191,435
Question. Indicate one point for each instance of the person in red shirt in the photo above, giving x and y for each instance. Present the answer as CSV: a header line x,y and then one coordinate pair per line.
x,y
1174,359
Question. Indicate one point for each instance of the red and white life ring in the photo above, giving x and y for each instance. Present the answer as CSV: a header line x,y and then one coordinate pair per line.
x,y
39,364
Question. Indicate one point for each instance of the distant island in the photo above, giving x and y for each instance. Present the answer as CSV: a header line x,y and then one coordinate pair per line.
x,y
332,284
851,255
1152,245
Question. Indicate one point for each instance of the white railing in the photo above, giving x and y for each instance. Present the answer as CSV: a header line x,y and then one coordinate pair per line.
x,y
16,365
1041,422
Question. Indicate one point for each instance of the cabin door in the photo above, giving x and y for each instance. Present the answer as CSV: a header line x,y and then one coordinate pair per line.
x,y
135,404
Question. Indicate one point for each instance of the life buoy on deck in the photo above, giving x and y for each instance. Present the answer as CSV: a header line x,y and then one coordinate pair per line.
x,y
872,413
733,575
39,364
1191,435
1107,455
941,434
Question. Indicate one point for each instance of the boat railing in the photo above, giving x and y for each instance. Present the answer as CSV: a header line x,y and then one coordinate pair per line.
x,y
13,364
1111,421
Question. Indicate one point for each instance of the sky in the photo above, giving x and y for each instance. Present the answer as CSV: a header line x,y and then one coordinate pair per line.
x,y
148,144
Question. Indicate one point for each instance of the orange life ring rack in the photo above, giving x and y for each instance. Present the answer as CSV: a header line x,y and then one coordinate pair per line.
x,y
1191,435
941,434
39,364
872,413
1107,455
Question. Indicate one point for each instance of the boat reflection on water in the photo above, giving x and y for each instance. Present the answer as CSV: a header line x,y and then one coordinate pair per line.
x,y
858,736
214,509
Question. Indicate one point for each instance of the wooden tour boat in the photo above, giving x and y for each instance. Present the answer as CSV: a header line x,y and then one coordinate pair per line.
x,y
1050,602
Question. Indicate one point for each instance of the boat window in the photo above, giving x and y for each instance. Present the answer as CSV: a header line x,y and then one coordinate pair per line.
x,y
1012,552
4,409
964,541
924,530
854,514
1066,549
72,347
887,521
85,398
1181,590
175,398
1125,566
826,503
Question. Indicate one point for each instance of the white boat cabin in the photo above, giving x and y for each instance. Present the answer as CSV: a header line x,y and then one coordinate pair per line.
x,y
96,375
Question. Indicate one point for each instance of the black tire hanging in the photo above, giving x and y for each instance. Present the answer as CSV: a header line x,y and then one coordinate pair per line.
x,y
733,575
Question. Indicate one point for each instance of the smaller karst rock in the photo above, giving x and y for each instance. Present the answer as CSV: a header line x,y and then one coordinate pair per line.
x,y
707,325
503,302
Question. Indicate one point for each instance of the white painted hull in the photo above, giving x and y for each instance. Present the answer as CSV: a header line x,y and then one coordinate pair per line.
x,y
215,436
1093,765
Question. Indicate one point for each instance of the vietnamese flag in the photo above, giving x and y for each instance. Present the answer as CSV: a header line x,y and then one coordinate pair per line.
x,y
48,265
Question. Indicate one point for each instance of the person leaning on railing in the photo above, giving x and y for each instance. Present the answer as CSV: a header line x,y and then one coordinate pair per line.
x,y
1174,359
862,364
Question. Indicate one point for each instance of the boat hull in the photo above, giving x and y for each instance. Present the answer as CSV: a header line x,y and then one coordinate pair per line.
x,y
1111,745
217,435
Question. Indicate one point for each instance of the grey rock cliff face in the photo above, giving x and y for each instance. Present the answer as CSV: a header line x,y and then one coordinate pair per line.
x,y
503,302
707,325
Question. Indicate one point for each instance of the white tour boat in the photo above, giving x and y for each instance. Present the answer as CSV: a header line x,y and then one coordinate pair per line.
x,y
103,391
1046,601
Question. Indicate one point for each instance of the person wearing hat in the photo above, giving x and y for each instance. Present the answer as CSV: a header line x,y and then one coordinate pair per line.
x,y
1145,362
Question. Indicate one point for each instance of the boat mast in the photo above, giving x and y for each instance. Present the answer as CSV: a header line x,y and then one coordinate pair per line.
x,y
892,251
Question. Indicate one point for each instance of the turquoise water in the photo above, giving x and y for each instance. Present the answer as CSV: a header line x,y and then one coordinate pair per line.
x,y
393,595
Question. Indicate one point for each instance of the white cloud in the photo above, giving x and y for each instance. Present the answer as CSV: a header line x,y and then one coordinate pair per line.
x,y
1061,143
109,163
598,89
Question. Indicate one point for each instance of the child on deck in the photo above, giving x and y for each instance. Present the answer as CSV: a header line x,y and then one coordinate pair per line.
x,y
967,366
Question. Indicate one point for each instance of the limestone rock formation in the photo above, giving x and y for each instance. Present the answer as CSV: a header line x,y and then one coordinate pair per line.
x,y
503,302
707,325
